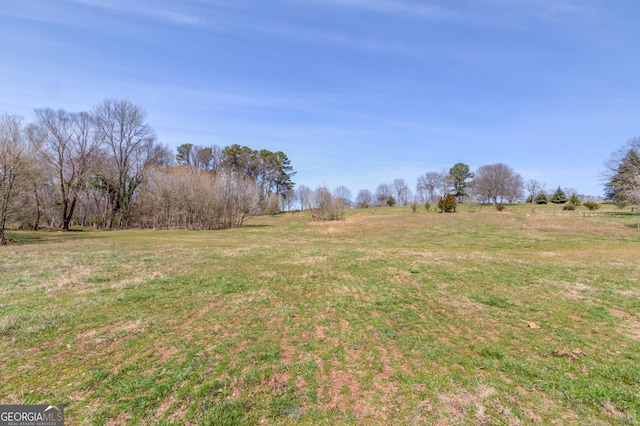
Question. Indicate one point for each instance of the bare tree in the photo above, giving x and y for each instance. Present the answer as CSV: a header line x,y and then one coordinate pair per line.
x,y
445,183
515,186
428,185
364,198
326,206
70,148
533,188
288,198
401,192
383,192
497,181
208,158
189,198
343,194
131,145
13,167
305,197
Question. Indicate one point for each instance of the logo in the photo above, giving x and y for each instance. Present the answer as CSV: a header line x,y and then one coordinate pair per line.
x,y
31,415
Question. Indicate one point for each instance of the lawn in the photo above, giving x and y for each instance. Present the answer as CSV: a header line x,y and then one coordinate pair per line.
x,y
386,317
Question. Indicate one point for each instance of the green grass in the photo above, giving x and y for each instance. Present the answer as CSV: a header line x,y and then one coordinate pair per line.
x,y
387,317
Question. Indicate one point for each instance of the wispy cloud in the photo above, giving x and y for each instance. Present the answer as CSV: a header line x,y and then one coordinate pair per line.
x,y
146,10
334,38
179,18
399,7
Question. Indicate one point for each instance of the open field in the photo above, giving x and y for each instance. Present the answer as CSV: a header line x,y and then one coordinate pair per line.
x,y
387,317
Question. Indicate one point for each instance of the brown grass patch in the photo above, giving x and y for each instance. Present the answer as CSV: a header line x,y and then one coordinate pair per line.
x,y
457,404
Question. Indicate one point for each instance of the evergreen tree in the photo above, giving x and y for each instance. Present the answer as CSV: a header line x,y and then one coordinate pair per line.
x,y
541,198
447,204
624,181
183,154
559,197
460,175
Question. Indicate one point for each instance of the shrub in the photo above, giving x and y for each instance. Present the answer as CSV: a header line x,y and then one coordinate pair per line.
x,y
427,206
568,207
575,200
447,204
591,205
391,201
500,207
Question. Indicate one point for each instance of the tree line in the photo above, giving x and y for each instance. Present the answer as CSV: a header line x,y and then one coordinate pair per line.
x,y
488,184
493,183
106,168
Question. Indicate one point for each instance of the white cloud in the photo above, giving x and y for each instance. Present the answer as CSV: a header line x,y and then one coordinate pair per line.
x,y
179,18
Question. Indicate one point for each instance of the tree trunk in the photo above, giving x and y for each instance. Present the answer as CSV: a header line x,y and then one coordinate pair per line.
x,y
36,225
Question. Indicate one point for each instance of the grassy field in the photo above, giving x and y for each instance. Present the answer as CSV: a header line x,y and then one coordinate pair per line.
x,y
387,317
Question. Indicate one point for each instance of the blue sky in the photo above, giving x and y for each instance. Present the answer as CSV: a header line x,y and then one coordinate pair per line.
x,y
355,92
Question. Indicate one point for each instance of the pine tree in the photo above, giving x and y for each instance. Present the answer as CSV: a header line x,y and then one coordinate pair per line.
x,y
541,198
460,175
559,197
624,183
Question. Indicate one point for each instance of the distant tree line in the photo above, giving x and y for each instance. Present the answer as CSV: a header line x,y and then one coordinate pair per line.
x,y
489,184
107,168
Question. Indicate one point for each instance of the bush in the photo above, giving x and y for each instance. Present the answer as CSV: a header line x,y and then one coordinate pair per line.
x,y
447,204
575,200
427,206
591,205
391,201
500,207
568,207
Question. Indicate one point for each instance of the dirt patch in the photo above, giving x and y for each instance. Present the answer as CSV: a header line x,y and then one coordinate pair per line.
x,y
191,319
610,410
319,333
241,347
165,353
111,332
343,390
286,352
344,325
619,314
631,330
277,383
163,407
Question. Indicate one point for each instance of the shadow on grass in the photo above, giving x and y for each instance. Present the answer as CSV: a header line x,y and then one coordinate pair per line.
x,y
26,237
42,235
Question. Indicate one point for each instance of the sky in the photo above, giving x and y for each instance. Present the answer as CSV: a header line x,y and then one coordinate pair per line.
x,y
354,92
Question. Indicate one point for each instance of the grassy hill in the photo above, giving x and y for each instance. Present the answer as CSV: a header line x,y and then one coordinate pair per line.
x,y
387,317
